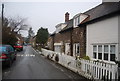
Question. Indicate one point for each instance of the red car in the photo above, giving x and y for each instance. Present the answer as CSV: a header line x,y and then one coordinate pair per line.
x,y
18,47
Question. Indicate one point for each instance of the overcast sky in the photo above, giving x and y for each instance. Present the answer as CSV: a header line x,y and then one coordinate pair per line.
x,y
46,14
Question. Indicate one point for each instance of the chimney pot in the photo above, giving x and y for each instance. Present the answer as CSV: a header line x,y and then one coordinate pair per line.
x,y
66,16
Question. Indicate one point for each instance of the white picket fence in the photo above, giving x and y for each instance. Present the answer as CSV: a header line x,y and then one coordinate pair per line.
x,y
87,68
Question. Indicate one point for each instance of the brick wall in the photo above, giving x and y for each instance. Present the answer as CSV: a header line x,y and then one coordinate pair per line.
x,y
79,36
76,35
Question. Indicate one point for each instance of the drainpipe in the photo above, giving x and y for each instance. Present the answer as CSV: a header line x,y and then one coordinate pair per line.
x,y
71,43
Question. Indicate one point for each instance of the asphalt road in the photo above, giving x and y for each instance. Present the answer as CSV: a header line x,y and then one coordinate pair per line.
x,y
31,65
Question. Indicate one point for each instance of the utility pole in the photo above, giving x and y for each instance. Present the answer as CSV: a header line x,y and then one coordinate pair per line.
x,y
2,14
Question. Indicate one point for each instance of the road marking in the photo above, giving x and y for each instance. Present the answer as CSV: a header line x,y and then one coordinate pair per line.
x,y
21,55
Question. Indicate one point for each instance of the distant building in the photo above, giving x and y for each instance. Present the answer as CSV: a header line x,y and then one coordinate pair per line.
x,y
20,39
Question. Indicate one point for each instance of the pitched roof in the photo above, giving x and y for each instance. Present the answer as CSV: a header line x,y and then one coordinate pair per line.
x,y
69,25
103,9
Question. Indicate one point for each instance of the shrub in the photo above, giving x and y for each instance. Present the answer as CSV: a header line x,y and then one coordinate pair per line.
x,y
86,57
56,58
48,56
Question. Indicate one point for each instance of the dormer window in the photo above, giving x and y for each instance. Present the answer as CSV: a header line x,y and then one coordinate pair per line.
x,y
76,21
60,26
79,18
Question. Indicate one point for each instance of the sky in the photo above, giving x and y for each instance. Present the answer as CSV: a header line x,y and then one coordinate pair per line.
x,y
45,13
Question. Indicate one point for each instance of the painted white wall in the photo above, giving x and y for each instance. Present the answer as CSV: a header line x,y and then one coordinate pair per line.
x,y
119,36
105,31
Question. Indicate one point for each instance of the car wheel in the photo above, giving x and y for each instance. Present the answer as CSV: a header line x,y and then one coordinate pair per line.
x,y
9,63
21,49
15,58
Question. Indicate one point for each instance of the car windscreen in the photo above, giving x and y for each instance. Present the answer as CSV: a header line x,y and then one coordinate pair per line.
x,y
18,45
3,49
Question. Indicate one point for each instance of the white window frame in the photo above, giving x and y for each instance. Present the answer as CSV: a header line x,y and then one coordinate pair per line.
x,y
67,48
75,50
57,45
103,51
76,21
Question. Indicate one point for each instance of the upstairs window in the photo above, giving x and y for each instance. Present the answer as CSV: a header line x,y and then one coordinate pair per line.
x,y
76,21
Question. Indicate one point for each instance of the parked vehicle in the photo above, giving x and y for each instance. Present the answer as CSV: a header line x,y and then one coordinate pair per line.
x,y
7,55
18,47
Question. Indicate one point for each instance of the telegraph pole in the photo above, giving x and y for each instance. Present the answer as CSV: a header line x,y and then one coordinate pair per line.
x,y
2,14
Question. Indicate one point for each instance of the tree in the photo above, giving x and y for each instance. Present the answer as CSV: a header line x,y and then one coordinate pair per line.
x,y
42,36
17,24
30,35
8,37
10,30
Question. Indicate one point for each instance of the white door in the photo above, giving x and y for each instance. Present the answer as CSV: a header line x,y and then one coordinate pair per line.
x,y
67,48
58,48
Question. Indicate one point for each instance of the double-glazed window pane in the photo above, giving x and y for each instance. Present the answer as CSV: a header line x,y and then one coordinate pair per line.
x,y
95,51
76,21
99,48
112,57
99,51
78,48
94,55
106,48
99,55
105,56
112,49
112,52
95,48
106,51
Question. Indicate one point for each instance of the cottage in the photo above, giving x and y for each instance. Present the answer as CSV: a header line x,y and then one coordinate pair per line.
x,y
69,38
103,32
62,36
79,35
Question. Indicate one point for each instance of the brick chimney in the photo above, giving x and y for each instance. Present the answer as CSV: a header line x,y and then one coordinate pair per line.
x,y
66,16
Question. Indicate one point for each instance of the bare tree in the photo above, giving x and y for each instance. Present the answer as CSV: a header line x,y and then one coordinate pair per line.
x,y
17,24
10,29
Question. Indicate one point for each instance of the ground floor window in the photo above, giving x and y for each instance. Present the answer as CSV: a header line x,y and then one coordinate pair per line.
x,y
67,48
76,49
94,51
104,52
57,48
112,52
100,52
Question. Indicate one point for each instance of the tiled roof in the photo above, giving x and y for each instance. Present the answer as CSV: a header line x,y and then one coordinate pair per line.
x,y
99,11
103,9
69,25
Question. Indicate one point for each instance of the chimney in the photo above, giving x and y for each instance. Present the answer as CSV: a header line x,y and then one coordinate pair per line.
x,y
66,16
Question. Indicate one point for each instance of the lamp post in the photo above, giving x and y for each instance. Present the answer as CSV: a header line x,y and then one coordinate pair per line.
x,y
2,14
